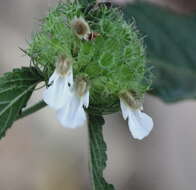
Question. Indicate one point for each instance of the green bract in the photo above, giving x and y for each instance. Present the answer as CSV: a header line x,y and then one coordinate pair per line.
x,y
113,62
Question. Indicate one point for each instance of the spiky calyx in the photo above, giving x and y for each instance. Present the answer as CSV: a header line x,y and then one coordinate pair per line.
x,y
114,60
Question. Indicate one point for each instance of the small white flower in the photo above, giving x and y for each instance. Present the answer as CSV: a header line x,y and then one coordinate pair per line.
x,y
140,124
72,114
56,95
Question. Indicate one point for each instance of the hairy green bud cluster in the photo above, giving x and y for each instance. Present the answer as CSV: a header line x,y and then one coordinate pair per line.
x,y
112,59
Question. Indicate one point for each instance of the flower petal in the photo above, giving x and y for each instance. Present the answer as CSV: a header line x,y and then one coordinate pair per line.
x,y
124,109
86,99
56,94
53,77
72,115
70,76
140,124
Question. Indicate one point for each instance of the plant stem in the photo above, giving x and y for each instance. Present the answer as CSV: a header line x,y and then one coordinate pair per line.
x,y
97,153
41,104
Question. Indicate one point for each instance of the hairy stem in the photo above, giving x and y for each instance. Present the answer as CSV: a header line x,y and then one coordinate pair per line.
x,y
97,153
28,111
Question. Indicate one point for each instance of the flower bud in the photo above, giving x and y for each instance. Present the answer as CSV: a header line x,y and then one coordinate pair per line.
x,y
63,66
80,27
131,99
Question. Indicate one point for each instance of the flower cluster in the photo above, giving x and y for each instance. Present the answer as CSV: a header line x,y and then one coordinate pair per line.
x,y
66,96
69,98
100,65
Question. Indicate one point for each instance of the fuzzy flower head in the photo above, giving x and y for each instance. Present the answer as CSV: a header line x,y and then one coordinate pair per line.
x,y
103,47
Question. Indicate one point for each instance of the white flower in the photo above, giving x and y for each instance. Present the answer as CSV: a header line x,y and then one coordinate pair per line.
x,y
140,124
72,114
56,95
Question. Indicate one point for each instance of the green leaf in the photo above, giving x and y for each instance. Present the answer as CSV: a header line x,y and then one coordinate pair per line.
x,y
98,155
171,45
15,89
